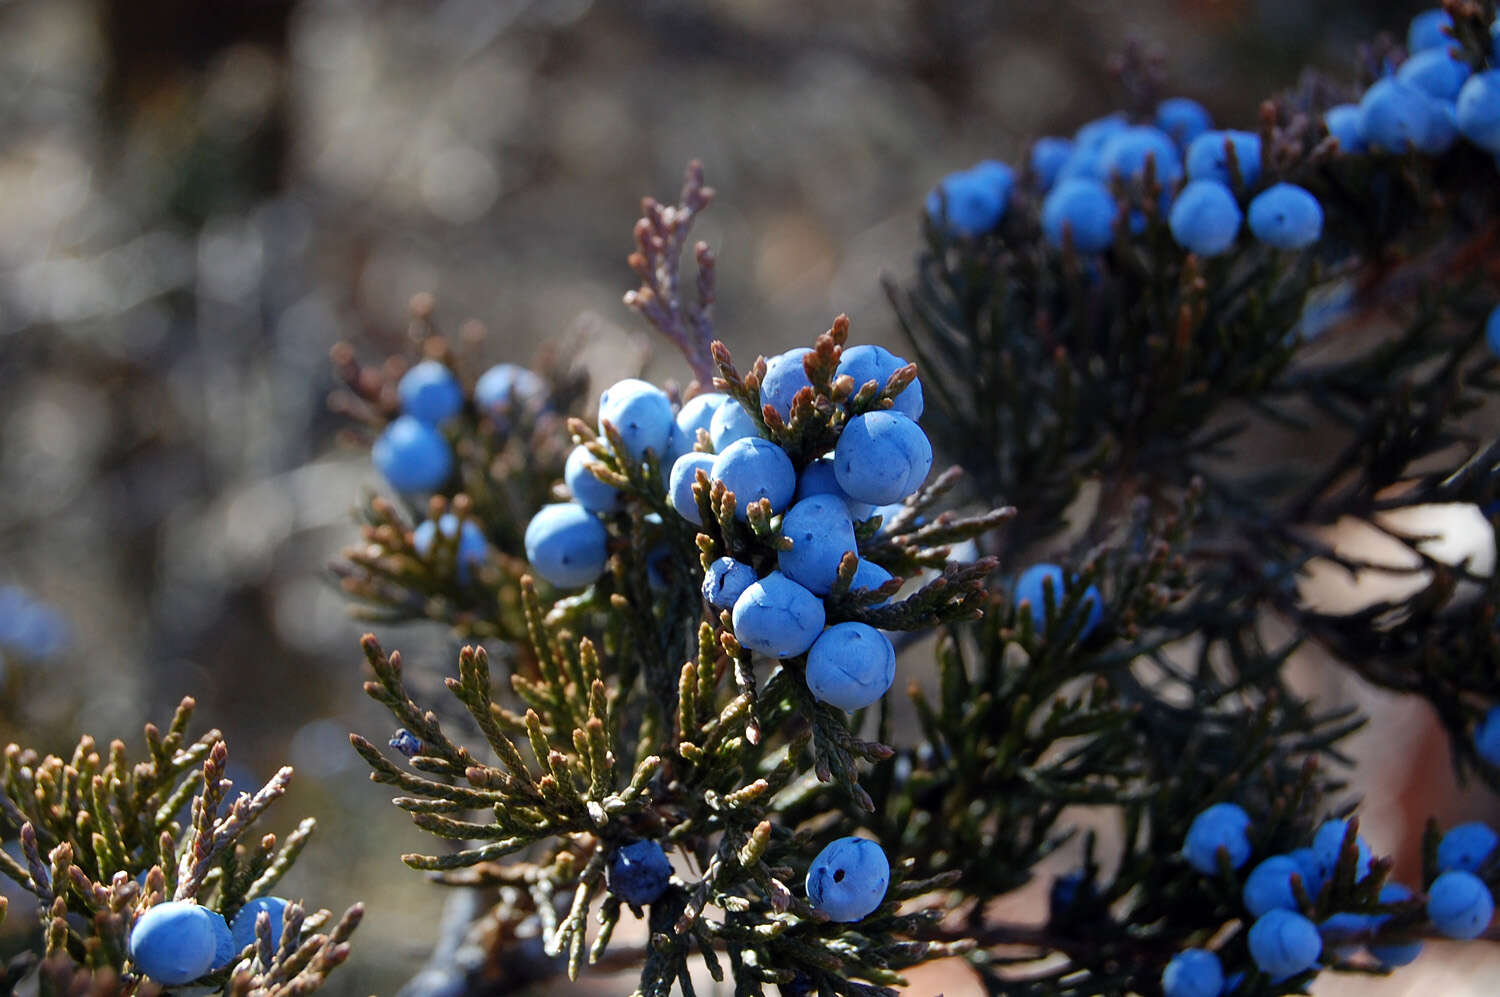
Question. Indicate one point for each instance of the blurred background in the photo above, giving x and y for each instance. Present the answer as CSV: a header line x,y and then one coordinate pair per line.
x,y
198,199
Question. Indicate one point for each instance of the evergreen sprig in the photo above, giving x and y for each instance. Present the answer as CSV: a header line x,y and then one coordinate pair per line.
x,y
104,839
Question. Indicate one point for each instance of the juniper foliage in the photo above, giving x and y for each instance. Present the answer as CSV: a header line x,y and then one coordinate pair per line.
x,y
1105,409
102,839
1101,407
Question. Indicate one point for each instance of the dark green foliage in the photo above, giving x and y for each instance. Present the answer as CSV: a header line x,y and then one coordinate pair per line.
x,y
1147,368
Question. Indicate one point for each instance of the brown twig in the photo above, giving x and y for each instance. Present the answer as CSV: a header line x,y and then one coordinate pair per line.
x,y
660,236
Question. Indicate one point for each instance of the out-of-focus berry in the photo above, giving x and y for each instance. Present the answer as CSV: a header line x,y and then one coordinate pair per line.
x,y
1284,943
244,921
1342,122
1081,210
1269,885
429,392
1031,588
1286,216
1205,218
1467,846
1460,905
1048,157
413,456
1427,30
1193,973
1183,118
1208,157
1222,825
473,550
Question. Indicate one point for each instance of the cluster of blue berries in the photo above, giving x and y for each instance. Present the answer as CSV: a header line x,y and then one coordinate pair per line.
x,y
1428,101
1425,104
566,542
412,453
881,457
1284,942
28,628
1201,173
179,941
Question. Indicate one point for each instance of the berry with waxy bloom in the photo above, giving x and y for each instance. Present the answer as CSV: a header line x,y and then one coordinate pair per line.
x,y
696,413
848,879
821,533
566,545
756,469
881,457
680,484
642,413
851,665
876,363
588,491
778,617
725,581
785,376
175,942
